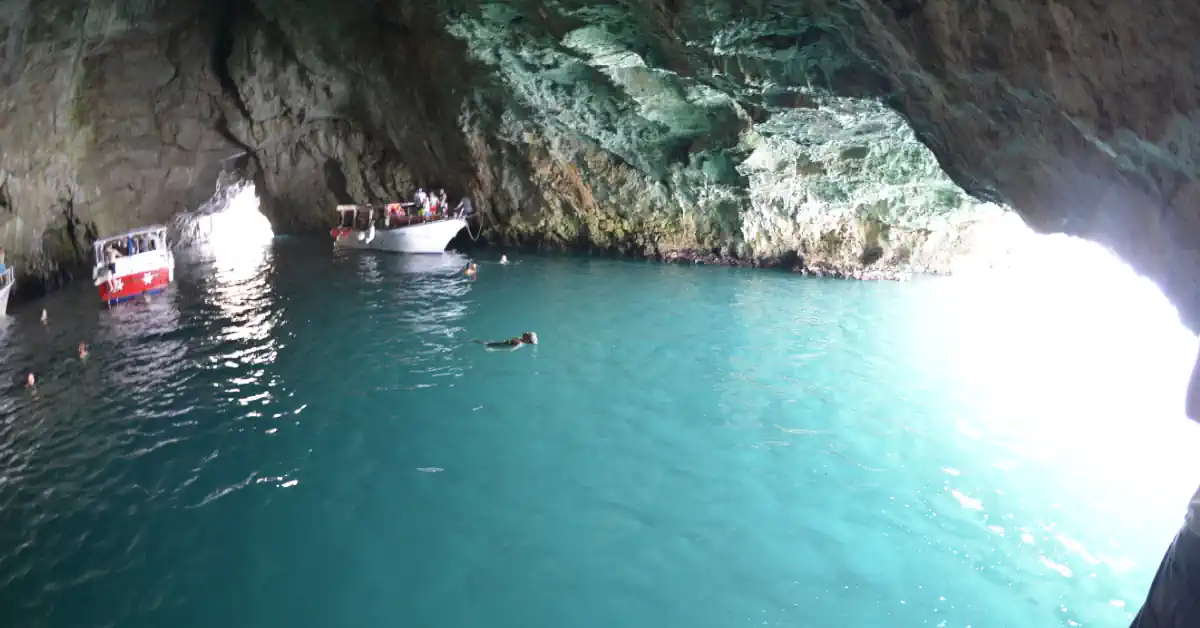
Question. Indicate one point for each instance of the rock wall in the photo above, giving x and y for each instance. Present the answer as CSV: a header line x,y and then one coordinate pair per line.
x,y
704,133
107,121
1084,116
751,130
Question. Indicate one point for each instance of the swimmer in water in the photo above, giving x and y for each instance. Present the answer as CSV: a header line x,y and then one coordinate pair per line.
x,y
471,270
512,344
83,351
43,316
31,382
504,260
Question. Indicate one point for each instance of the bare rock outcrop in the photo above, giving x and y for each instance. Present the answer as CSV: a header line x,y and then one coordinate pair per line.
x,y
1084,116
107,121
618,128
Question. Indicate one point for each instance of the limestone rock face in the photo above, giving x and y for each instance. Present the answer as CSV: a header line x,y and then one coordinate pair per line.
x,y
107,121
768,131
1083,116
643,129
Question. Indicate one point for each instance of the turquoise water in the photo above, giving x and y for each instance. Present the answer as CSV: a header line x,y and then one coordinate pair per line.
x,y
293,437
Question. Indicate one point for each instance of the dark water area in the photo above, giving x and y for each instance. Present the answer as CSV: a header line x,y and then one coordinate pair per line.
x,y
293,436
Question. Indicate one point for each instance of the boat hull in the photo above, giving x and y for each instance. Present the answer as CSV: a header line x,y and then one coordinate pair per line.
x,y
428,237
135,277
126,287
4,298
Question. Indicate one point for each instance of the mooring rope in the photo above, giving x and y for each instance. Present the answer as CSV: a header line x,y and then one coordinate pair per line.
x,y
475,236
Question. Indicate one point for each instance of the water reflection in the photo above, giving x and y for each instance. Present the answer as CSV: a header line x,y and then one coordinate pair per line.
x,y
1025,423
1070,371
448,263
141,337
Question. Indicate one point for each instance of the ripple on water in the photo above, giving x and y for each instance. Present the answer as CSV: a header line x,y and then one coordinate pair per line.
x,y
294,437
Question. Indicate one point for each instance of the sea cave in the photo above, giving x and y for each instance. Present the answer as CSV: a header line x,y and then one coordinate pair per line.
x,y
841,139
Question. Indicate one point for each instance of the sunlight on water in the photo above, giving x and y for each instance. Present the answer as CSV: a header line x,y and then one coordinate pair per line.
x,y
1083,367
702,447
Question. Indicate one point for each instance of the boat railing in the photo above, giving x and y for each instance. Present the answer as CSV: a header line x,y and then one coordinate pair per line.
x,y
408,221
386,216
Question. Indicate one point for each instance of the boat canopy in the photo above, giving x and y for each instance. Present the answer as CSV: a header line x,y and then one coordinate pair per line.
x,y
152,237
376,207
152,230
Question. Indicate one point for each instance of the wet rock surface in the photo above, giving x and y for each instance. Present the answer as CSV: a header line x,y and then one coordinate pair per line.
x,y
764,130
570,125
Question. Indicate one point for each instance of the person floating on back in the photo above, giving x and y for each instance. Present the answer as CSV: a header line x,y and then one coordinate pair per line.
x,y
512,344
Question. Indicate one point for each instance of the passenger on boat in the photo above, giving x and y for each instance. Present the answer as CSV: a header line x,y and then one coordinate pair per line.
x,y
443,204
512,344
1,260
111,253
432,206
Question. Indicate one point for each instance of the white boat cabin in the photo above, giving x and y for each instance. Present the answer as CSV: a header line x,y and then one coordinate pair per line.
x,y
135,251
131,243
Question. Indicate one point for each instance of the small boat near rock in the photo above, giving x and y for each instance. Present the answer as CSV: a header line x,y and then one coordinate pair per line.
x,y
391,228
132,264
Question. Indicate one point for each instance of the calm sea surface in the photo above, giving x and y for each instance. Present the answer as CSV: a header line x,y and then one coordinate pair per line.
x,y
293,437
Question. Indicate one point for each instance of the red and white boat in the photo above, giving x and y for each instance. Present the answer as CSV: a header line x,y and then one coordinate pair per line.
x,y
133,263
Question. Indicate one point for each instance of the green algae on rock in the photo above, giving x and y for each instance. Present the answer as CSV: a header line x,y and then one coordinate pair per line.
x,y
753,132
572,126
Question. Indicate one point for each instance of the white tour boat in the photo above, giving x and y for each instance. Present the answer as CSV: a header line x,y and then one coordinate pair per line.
x,y
6,284
389,228
133,263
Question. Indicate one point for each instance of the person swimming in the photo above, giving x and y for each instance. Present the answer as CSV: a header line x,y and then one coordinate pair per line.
x,y
512,344
83,351
472,270
503,259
